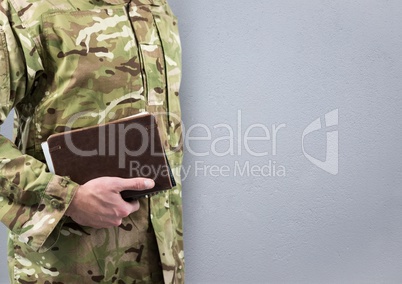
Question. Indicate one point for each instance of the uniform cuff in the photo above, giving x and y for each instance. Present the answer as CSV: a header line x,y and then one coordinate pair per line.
x,y
43,229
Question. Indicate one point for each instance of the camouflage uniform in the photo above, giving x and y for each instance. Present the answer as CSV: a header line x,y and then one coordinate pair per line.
x,y
75,64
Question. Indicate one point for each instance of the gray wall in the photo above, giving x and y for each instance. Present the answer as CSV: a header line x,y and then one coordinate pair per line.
x,y
319,82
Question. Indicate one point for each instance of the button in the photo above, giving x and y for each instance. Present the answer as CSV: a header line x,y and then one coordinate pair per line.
x,y
56,204
64,182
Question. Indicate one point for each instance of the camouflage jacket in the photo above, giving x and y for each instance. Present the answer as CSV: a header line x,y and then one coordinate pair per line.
x,y
75,64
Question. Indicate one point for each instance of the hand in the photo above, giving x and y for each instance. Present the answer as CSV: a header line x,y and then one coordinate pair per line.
x,y
98,203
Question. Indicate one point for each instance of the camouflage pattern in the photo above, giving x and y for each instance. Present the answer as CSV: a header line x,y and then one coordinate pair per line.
x,y
71,64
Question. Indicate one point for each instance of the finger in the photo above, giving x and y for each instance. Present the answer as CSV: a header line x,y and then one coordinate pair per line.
x,y
136,184
133,205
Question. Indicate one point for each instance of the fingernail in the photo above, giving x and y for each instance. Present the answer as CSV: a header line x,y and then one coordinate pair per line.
x,y
149,183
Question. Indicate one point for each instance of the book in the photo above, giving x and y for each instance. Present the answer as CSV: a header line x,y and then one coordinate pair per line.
x,y
128,147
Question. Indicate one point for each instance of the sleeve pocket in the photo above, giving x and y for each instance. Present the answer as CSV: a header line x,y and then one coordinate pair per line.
x,y
4,72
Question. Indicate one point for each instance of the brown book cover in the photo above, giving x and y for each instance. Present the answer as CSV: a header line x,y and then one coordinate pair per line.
x,y
128,147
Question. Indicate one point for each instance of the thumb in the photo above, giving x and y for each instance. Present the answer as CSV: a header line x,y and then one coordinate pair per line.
x,y
135,184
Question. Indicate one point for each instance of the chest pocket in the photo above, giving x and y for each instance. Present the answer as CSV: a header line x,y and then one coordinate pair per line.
x,y
93,69
92,54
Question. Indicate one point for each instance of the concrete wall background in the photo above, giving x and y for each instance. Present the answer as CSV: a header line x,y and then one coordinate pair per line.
x,y
252,66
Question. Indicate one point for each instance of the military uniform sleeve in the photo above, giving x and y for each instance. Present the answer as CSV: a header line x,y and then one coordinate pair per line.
x,y
32,200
